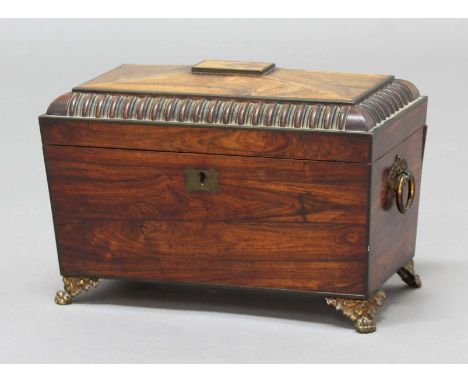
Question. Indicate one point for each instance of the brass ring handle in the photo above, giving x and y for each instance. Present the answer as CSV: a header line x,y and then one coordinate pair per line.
x,y
403,179
399,178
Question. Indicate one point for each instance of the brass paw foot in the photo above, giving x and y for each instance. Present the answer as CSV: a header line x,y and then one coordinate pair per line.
x,y
408,275
73,287
361,312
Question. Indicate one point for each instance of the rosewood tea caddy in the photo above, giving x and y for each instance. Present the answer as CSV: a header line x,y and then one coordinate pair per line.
x,y
238,174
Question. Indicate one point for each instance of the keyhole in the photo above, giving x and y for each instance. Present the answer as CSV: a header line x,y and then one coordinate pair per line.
x,y
202,176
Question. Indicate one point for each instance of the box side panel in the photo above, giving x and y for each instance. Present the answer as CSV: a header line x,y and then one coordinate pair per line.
x,y
393,234
262,142
274,223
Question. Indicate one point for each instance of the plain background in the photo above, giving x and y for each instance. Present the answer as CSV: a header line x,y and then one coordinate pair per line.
x,y
137,322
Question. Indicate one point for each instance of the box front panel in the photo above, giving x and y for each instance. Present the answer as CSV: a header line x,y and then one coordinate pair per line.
x,y
268,223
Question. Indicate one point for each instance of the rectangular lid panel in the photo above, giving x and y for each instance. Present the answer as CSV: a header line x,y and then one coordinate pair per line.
x,y
275,84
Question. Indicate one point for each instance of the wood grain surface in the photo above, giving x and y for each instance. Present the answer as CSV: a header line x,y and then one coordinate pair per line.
x,y
279,84
273,143
275,223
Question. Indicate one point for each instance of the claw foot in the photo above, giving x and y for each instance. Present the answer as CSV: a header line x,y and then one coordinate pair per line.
x,y
408,275
73,287
361,312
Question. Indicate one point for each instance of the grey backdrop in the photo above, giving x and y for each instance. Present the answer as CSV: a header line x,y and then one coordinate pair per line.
x,y
132,322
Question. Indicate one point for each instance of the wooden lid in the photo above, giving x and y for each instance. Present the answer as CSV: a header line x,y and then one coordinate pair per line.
x,y
232,79
243,94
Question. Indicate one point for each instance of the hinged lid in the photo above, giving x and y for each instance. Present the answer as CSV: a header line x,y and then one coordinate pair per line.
x,y
243,94
231,79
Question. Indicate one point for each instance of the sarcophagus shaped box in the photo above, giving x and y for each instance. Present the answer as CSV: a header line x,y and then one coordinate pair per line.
x,y
238,174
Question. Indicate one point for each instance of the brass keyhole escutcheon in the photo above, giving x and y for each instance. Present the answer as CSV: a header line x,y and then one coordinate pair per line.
x,y
201,180
401,177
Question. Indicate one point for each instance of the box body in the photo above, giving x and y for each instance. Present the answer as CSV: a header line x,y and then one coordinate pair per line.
x,y
289,208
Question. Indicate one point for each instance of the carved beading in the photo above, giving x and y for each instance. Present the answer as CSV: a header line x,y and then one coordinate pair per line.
x,y
377,107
